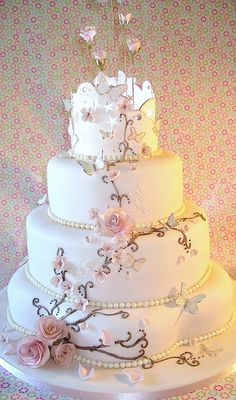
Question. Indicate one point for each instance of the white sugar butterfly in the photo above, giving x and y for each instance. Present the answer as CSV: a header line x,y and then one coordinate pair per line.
x,y
91,168
190,305
170,223
134,264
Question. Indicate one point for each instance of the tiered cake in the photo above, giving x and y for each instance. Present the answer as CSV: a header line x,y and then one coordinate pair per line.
x,y
118,256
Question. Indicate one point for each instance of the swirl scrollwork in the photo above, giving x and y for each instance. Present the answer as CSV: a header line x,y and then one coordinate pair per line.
x,y
185,358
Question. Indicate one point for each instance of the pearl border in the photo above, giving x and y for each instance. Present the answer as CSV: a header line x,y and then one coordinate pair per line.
x,y
136,304
141,361
109,158
81,225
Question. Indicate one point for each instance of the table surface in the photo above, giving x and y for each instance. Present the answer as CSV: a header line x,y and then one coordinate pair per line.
x,y
12,388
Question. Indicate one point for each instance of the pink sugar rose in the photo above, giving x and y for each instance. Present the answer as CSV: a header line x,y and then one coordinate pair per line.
x,y
33,351
114,221
51,328
63,353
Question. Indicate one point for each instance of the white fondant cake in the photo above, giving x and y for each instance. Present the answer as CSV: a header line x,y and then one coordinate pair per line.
x,y
118,256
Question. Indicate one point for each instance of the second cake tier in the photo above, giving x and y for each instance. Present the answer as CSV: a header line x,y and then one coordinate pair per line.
x,y
69,260
147,190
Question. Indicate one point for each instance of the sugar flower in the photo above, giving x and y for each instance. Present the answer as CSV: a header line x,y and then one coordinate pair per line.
x,y
112,175
107,249
124,19
120,241
134,45
56,281
88,114
145,150
33,351
124,106
59,264
88,35
118,257
63,353
113,221
52,328
99,275
81,303
100,58
93,213
67,288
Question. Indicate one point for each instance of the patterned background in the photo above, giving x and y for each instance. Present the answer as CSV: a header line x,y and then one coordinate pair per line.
x,y
187,55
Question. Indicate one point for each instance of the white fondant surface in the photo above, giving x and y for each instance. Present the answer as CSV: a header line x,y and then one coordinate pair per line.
x,y
164,325
154,188
107,383
165,263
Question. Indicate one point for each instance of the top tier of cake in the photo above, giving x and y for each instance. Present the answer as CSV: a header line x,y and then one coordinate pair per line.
x,y
113,119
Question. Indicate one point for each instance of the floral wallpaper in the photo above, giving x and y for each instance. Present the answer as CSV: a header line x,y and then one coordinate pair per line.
x,y
187,54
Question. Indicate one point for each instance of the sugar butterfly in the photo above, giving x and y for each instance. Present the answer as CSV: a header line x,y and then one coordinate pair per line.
x,y
170,223
190,305
114,92
106,134
210,353
91,168
134,264
133,135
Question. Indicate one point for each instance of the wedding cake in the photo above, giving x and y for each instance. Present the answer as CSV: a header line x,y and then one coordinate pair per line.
x,y
118,272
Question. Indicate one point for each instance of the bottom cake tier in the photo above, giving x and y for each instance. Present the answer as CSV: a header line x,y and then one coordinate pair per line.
x,y
129,336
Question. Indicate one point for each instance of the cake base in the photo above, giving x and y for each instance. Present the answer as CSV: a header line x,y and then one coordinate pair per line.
x,y
162,381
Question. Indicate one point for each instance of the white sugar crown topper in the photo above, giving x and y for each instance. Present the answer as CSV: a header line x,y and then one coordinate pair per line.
x,y
113,118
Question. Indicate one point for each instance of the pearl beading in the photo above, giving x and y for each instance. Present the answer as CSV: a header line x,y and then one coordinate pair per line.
x,y
111,158
81,225
136,304
141,361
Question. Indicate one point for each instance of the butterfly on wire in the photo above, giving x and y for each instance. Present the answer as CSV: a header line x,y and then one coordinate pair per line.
x,y
170,223
188,304
91,167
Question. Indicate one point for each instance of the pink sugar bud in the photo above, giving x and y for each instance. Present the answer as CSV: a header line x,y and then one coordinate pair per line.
x,y
88,34
134,45
100,59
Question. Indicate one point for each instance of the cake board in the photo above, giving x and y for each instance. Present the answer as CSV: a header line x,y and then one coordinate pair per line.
x,y
162,381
